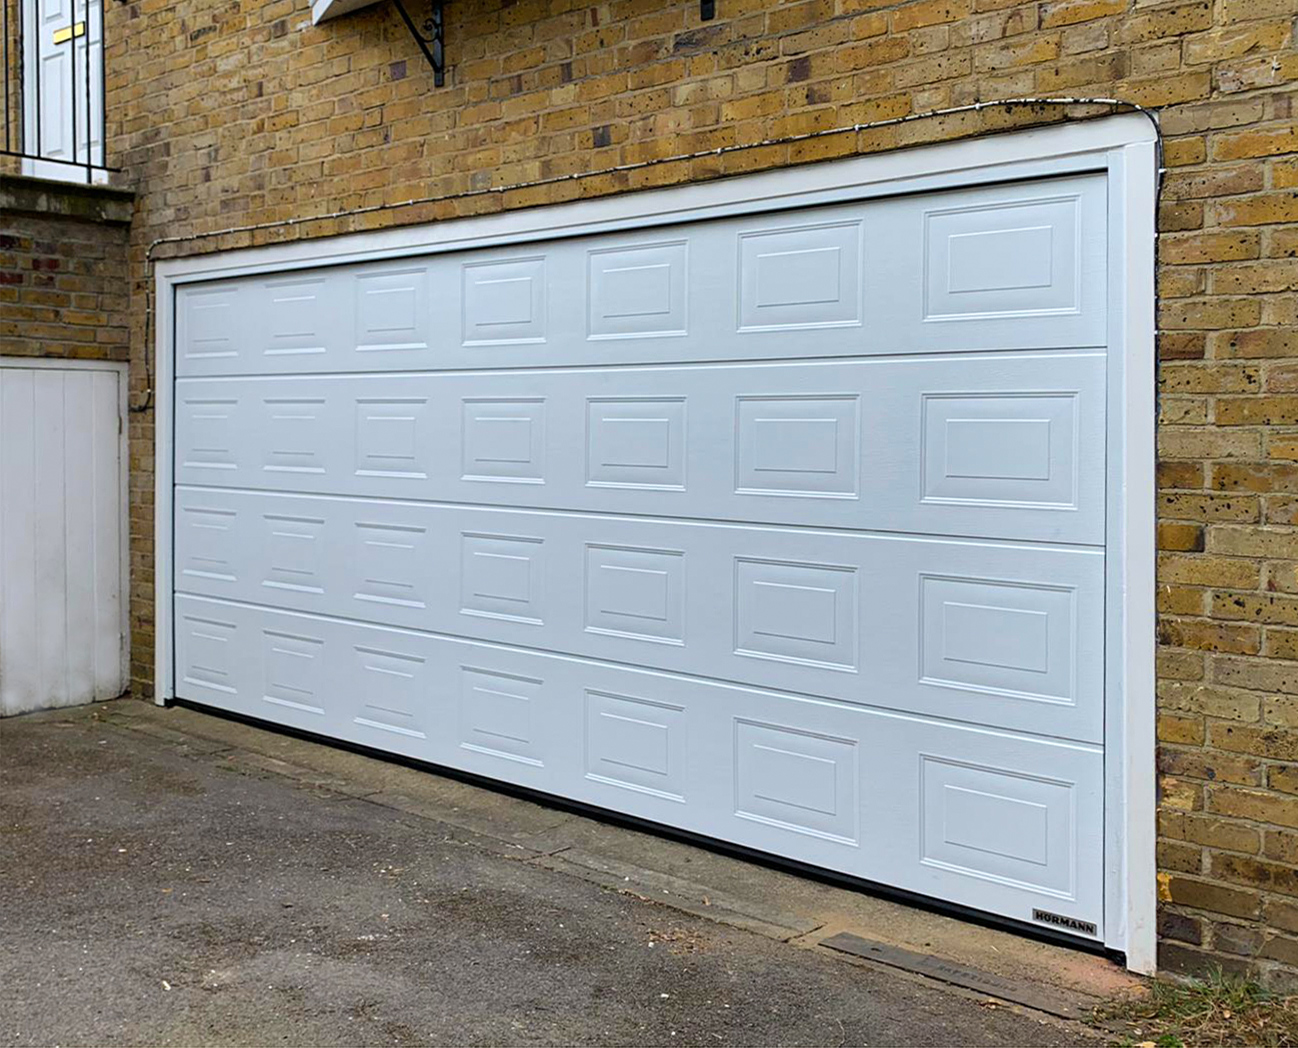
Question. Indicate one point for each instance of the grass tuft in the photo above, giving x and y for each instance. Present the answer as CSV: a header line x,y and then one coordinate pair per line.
x,y
1215,1011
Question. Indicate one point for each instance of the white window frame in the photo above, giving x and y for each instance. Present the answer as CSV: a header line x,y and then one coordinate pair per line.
x,y
1123,147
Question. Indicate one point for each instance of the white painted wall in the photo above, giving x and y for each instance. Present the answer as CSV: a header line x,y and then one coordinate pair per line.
x,y
63,587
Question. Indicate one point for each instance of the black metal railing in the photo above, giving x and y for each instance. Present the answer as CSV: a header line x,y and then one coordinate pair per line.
x,y
54,120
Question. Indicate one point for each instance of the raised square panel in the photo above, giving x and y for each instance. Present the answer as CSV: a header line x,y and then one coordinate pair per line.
x,y
293,552
295,675
392,310
294,313
637,292
206,544
797,446
498,714
796,780
636,744
803,277
635,442
387,438
636,593
389,560
500,577
504,302
796,612
1005,638
394,692
1014,258
210,425
294,437
208,328
998,825
1014,450
504,439
210,652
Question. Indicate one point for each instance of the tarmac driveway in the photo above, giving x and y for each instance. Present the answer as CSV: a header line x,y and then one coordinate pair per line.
x,y
159,885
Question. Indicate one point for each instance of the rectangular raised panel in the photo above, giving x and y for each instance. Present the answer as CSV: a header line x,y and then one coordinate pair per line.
x,y
1016,266
999,825
797,446
1014,258
209,424
294,559
504,302
504,439
638,292
636,593
394,691
389,561
803,277
208,327
635,442
208,653
206,535
295,675
636,744
1017,450
498,714
297,317
500,577
796,780
294,434
393,310
796,612
1013,639
388,440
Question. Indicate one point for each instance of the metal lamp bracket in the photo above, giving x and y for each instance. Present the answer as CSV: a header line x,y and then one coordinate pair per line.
x,y
429,35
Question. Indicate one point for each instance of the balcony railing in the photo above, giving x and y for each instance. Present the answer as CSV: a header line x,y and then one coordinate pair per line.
x,y
53,54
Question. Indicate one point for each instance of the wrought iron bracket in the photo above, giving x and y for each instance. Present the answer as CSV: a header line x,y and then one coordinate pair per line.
x,y
429,35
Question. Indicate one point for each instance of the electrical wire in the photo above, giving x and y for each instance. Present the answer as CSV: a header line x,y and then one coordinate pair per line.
x,y
288,223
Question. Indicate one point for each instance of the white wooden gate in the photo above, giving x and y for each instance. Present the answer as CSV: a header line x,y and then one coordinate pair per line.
x,y
63,560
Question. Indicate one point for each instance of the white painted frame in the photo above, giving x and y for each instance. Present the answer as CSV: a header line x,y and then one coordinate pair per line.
x,y
1123,147
121,369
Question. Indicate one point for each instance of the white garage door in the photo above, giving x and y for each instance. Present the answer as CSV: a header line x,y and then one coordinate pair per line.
x,y
785,529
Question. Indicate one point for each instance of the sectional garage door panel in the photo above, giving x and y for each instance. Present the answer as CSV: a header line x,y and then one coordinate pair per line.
x,y
1002,634
979,817
1010,446
1006,267
786,529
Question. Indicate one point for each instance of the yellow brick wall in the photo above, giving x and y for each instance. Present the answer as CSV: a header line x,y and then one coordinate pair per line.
x,y
241,112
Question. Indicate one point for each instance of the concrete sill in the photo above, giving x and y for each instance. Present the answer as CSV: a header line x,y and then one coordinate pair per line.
x,y
108,205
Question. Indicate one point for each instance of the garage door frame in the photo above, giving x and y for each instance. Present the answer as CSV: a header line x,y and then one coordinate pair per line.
x,y
1122,147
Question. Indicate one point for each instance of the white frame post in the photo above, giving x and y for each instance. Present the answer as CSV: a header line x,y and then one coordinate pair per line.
x,y
1123,147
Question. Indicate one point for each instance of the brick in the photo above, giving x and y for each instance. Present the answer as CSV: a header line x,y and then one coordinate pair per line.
x,y
1215,898
1215,246
1209,700
1242,144
1186,538
1258,344
1259,209
1180,927
1254,873
1222,834
1256,805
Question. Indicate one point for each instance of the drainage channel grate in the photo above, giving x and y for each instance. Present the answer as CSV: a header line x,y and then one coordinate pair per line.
x,y
1017,991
